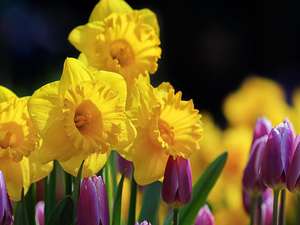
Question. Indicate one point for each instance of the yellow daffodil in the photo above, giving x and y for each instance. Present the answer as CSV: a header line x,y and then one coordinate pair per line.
x,y
19,145
120,43
166,126
81,117
256,97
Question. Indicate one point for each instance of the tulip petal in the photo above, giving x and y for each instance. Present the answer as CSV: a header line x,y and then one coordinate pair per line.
x,y
102,200
88,211
171,183
44,107
74,72
6,210
185,180
149,163
287,148
294,171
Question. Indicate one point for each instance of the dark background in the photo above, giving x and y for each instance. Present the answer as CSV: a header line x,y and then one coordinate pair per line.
x,y
208,47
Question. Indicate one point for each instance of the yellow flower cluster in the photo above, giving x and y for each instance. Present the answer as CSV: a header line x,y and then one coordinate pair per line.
x,y
104,101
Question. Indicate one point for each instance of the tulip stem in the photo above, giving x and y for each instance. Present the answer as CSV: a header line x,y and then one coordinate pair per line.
x,y
298,209
50,192
259,222
252,212
275,207
68,183
132,204
282,206
175,216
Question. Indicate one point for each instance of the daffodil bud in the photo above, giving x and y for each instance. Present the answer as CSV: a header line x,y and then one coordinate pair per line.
x,y
292,181
93,203
277,157
39,213
204,217
262,127
252,181
6,211
177,186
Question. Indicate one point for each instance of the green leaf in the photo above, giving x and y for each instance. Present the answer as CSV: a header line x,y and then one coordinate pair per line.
x,y
118,202
76,191
30,202
188,213
132,204
63,212
151,200
20,214
50,192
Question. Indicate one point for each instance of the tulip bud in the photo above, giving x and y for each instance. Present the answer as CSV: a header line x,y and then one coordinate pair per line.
x,y
93,204
262,127
142,223
39,213
204,217
177,186
252,182
123,164
277,157
6,211
292,181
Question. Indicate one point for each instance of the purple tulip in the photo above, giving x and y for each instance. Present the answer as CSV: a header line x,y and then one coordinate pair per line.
x,y
277,157
292,181
262,127
204,217
6,211
252,182
142,223
93,203
123,164
39,212
177,186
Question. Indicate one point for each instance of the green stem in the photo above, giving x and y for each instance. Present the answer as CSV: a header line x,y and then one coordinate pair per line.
x,y
50,192
30,202
259,222
282,206
175,216
107,184
275,207
132,204
298,209
68,183
114,171
252,212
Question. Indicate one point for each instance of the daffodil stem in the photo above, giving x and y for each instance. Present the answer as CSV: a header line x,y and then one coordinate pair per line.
x,y
298,209
132,204
175,216
252,212
114,171
50,192
282,206
30,202
259,222
275,207
68,183
107,184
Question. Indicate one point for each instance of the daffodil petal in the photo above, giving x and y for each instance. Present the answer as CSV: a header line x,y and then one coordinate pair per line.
x,y
126,137
37,170
105,7
84,38
149,163
5,94
92,165
56,145
116,81
13,177
74,72
151,19
44,107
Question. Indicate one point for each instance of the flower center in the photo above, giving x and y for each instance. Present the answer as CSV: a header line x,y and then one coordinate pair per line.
x,y
5,141
121,51
80,120
166,132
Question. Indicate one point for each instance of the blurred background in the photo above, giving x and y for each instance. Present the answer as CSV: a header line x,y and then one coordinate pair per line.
x,y
208,47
